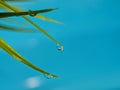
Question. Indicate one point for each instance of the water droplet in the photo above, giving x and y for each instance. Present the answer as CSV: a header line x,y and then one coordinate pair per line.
x,y
60,48
31,13
50,76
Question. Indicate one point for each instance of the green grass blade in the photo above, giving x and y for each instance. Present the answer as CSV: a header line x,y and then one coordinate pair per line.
x,y
17,56
3,7
48,19
18,0
30,12
14,21
9,28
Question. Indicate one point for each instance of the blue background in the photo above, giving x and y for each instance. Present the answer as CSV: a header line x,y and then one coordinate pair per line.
x,y
91,59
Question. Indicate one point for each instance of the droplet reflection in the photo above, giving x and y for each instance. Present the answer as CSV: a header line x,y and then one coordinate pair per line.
x,y
60,48
31,13
48,76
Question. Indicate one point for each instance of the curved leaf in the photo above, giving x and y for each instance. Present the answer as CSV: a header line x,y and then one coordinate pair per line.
x,y
20,58
9,28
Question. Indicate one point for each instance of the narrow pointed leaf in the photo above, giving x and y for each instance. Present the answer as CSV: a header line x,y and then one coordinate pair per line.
x,y
48,19
3,7
9,28
18,0
14,21
20,58
30,12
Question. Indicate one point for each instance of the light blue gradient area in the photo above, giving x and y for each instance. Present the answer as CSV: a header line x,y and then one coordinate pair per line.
x,y
91,36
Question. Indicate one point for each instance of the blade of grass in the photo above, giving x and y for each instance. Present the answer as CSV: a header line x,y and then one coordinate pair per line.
x,y
48,19
30,12
3,7
6,47
9,28
18,0
14,21
37,16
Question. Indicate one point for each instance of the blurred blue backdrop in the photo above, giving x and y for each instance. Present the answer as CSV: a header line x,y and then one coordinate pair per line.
x,y
91,59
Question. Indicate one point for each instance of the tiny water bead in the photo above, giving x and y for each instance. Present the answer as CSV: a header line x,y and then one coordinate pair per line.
x,y
60,48
50,76
31,13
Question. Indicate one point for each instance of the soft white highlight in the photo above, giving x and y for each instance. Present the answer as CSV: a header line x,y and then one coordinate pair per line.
x,y
33,82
